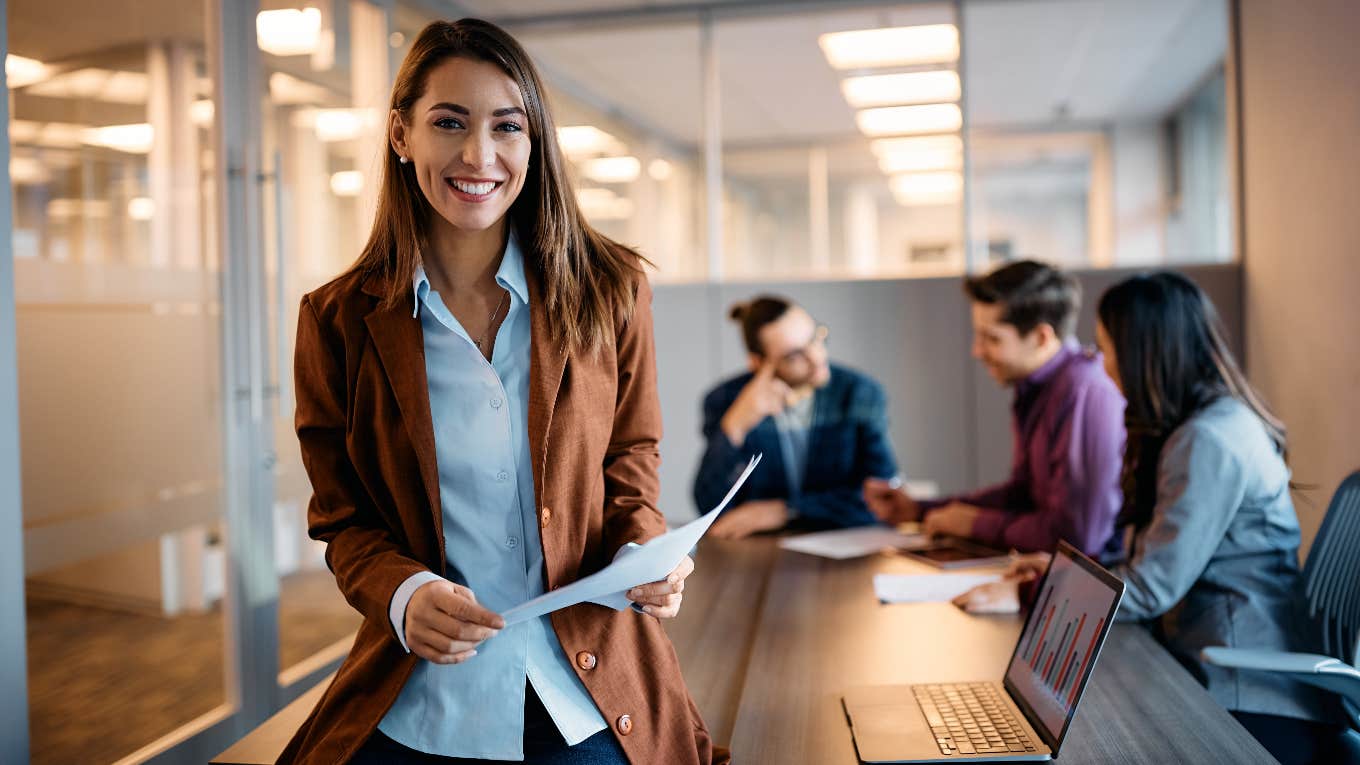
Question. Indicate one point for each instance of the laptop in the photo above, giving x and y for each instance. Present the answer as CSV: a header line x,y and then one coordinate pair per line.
x,y
1022,718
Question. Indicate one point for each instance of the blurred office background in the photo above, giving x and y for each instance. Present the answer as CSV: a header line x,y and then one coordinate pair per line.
x,y
181,172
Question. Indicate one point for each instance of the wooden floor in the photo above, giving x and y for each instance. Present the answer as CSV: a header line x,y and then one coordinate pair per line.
x,y
103,682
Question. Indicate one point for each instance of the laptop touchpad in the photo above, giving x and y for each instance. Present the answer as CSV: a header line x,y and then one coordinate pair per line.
x,y
889,731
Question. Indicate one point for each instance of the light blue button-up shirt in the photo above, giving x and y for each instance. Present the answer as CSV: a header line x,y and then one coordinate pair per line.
x,y
491,543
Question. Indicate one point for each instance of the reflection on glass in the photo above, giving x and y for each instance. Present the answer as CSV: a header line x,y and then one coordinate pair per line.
x,y
324,118
118,363
1111,155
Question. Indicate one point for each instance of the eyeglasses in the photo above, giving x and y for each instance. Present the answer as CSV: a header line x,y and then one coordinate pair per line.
x,y
804,354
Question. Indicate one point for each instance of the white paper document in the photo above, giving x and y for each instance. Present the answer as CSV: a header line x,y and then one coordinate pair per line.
x,y
927,588
842,544
649,562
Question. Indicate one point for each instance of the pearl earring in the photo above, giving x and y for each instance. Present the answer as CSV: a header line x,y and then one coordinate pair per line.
x,y
404,160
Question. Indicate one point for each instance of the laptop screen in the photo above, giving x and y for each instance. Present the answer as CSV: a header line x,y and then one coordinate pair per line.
x,y
1061,640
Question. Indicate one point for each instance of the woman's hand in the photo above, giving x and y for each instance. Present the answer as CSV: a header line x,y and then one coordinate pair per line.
x,y
992,598
1030,566
445,623
1003,597
662,599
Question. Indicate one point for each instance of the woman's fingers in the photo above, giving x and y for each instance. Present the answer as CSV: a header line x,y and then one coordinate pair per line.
x,y
665,608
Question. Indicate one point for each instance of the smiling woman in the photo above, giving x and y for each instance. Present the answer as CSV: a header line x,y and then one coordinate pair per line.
x,y
478,415
468,110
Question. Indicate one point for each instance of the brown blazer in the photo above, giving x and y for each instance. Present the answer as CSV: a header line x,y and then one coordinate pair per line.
x,y
363,420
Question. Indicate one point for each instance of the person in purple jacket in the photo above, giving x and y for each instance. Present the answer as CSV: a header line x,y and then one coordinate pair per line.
x,y
1067,420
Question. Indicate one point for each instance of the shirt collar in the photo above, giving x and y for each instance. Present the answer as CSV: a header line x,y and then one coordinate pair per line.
x,y
1044,373
510,276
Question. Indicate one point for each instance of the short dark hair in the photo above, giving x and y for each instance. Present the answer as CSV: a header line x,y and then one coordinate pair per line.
x,y
754,314
1031,293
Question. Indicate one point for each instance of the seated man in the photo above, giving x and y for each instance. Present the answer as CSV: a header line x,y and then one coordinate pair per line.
x,y
822,429
1068,425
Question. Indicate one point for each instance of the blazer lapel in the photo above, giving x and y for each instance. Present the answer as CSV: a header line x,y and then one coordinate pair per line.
x,y
547,360
401,347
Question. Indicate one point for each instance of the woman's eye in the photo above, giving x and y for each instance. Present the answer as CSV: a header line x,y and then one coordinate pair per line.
x,y
447,123
510,127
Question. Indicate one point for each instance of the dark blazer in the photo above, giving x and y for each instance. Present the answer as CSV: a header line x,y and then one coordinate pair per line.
x,y
848,442
363,420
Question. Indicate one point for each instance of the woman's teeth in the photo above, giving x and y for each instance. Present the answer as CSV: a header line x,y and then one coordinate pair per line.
x,y
475,189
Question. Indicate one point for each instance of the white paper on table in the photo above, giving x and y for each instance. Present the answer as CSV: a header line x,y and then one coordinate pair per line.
x,y
842,544
650,562
927,588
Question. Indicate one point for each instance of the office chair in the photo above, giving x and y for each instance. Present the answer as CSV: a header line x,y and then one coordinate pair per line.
x,y
1331,582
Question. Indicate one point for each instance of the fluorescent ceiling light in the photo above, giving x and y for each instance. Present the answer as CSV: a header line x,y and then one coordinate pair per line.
x,y
133,139
612,169
900,120
893,46
347,183
201,112
659,169
27,171
141,208
579,141
908,88
603,204
927,188
901,155
287,90
65,209
340,124
289,31
56,135
94,84
20,72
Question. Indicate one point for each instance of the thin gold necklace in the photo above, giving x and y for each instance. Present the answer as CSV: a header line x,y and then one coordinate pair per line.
x,y
492,321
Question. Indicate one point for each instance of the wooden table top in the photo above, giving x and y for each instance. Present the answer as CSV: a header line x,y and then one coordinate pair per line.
x,y
822,630
768,639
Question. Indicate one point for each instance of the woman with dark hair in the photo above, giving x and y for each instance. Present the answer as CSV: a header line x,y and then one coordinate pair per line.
x,y
478,415
1213,552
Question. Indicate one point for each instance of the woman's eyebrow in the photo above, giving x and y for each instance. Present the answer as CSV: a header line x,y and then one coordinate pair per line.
x,y
460,109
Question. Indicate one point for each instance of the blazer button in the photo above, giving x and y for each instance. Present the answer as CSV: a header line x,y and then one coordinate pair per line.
x,y
585,660
624,724
545,517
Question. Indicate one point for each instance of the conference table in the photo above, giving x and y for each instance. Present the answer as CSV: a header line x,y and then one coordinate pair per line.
x,y
769,639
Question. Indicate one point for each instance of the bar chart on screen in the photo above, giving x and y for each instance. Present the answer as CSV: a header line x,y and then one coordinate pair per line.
x,y
1061,640
1062,648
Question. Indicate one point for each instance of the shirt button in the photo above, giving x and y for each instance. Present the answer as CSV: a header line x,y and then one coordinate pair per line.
x,y
511,542
585,660
496,403
545,517
624,724
502,476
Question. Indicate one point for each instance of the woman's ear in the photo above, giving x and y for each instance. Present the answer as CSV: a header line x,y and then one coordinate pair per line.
x,y
396,134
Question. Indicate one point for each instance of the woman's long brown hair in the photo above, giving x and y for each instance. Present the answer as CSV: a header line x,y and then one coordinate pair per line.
x,y
586,279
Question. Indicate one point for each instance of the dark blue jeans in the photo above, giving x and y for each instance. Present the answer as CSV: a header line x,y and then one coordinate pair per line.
x,y
543,745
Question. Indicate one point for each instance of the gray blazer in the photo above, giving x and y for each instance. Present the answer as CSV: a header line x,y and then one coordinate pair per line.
x,y
1218,563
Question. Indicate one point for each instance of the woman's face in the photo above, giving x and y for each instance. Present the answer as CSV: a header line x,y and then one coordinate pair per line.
x,y
1106,347
468,140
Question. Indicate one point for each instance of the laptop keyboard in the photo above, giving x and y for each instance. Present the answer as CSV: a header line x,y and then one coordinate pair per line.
x,y
971,718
